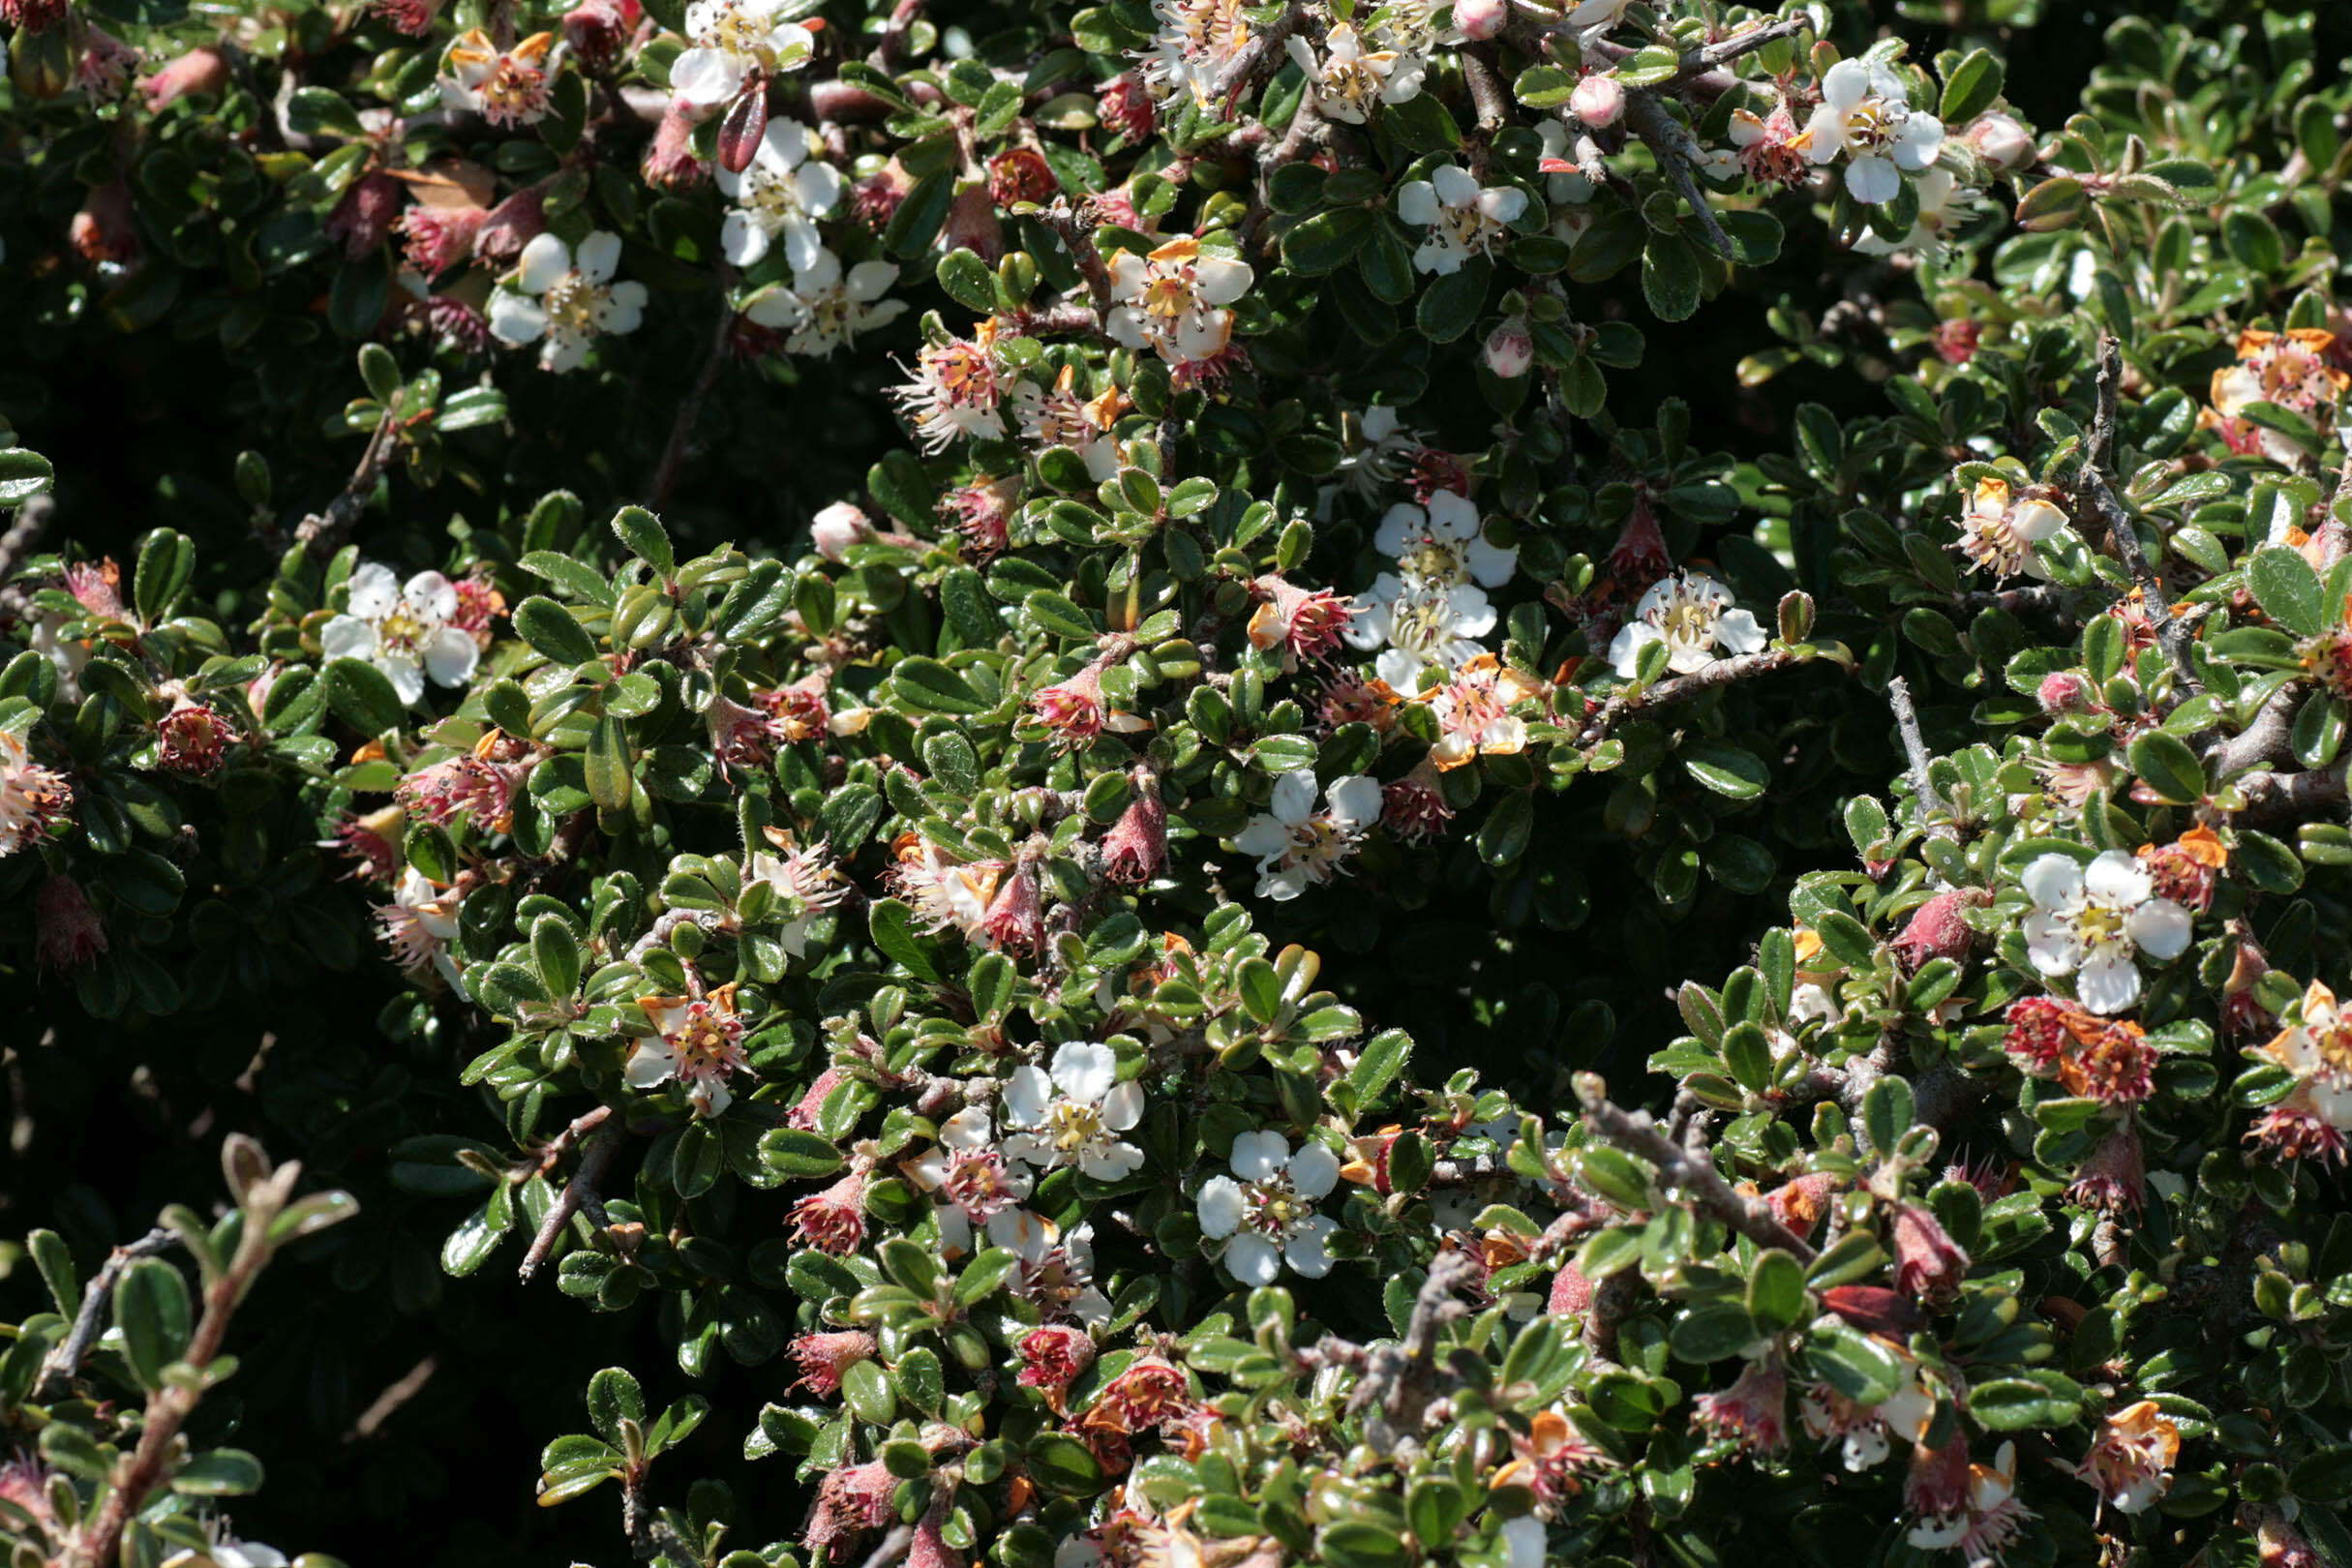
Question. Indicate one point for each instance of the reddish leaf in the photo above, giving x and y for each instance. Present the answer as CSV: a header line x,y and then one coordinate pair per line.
x,y
746,122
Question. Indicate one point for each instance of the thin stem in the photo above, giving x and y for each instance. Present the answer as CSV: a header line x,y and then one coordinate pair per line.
x,y
323,533
1914,746
682,428
1687,1170
595,1159
2092,487
1647,117
66,1356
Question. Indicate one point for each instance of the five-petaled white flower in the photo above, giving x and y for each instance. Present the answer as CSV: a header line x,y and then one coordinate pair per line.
x,y
967,1169
699,1041
1297,846
1419,626
1939,194
1462,221
564,300
730,40
403,631
1999,530
1264,1212
2088,921
783,191
1350,79
1692,615
1443,544
1073,1115
1865,113
825,307
1174,300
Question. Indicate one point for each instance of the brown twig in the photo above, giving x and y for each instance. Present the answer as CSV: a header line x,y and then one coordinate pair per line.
x,y
2268,738
66,1356
1076,237
2271,798
596,1157
1261,56
1682,688
33,519
323,533
1914,746
1647,117
1686,1170
1400,1379
682,428
2092,487
1706,57
1488,94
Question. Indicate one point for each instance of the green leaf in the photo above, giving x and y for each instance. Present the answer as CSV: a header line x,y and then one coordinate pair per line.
x,y
929,687
967,281
1848,940
23,474
1712,1332
1452,305
1669,276
153,1309
362,696
1056,617
1356,1543
220,1472
1888,1111
1856,1365
311,111
551,629
892,925
2010,1405
608,764
556,952
2167,764
1063,1464
991,984
1725,770
1971,89
648,540
166,561
1328,241
2288,590
1776,1291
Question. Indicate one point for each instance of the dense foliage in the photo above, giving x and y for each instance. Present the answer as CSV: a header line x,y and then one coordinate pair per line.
x,y
1171,783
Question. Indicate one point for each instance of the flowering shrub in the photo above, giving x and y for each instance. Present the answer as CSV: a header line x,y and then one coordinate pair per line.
x,y
1156,784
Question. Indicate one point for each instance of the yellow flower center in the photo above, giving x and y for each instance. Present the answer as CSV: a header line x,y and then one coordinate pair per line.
x,y
573,305
1070,1125
400,631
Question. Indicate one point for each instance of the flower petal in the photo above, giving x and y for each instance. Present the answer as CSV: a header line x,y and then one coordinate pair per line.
x,y
1257,1156
1085,1070
1027,1095
1304,1252
2160,929
450,655
1253,1261
1293,797
1220,1207
2052,881
545,260
2109,984
1314,1170
2115,877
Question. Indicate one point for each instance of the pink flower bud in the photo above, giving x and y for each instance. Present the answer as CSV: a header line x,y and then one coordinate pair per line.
x,y
1480,19
512,224
1125,106
203,70
2065,691
192,738
1939,928
804,1114
1014,921
1599,100
1571,1291
364,218
103,230
875,198
435,239
823,1357
414,18
833,1221
972,224
850,1502
2000,141
71,935
669,160
837,527
1928,1263
595,30
1510,348
33,15
1051,1359
1137,845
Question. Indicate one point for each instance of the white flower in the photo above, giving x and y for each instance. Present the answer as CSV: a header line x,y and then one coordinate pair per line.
x,y
1692,615
34,801
699,1041
1349,79
782,191
954,390
563,301
1865,113
402,631
1462,221
1297,846
1196,41
806,877
1074,1116
419,924
1999,531
1939,192
227,1552
730,40
505,88
1419,625
2088,922
1443,544
824,309
1266,1218
1060,417
967,1169
1174,300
